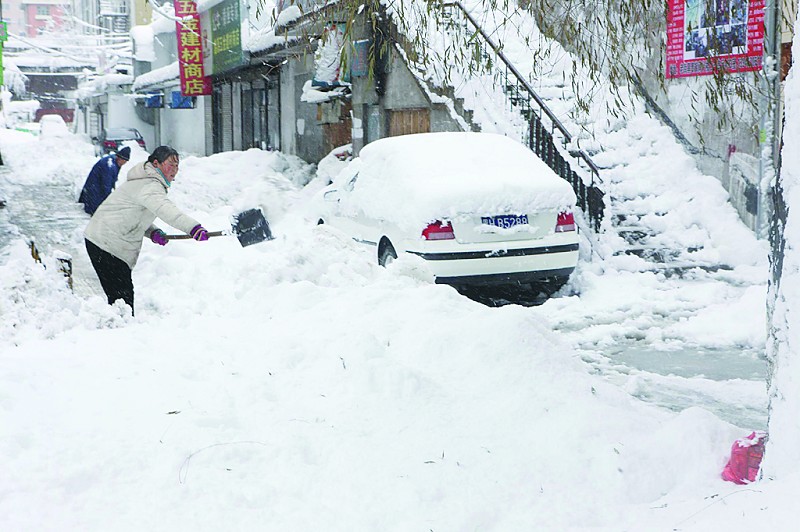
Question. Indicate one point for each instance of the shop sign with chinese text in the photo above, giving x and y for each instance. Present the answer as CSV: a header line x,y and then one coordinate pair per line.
x,y
704,37
223,25
194,82
3,38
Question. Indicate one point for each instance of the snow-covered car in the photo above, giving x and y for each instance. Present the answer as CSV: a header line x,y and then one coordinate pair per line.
x,y
114,138
52,127
479,208
28,127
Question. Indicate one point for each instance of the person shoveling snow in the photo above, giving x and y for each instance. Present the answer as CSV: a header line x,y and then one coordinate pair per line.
x,y
115,232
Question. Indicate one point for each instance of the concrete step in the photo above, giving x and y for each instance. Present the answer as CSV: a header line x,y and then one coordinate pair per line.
x,y
635,234
655,254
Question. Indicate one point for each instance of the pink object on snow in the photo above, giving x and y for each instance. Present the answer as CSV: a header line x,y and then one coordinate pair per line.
x,y
746,455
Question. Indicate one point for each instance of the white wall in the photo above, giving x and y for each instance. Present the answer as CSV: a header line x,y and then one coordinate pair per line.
x,y
185,129
287,114
122,113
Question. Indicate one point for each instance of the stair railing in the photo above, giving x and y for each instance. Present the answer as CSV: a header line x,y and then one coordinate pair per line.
x,y
538,136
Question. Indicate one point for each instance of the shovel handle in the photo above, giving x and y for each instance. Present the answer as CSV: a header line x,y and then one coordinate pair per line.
x,y
189,237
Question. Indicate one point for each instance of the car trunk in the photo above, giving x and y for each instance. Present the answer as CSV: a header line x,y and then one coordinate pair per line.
x,y
504,228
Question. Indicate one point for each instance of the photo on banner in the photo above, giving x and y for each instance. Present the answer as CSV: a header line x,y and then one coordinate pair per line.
x,y
709,36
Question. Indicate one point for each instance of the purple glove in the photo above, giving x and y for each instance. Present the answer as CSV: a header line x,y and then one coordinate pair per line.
x,y
199,233
159,237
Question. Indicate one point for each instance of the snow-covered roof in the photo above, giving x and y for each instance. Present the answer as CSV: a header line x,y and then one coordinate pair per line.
x,y
313,94
39,60
205,5
159,75
162,24
266,39
288,14
101,84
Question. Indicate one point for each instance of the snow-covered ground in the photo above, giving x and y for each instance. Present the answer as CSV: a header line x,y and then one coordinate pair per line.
x,y
296,385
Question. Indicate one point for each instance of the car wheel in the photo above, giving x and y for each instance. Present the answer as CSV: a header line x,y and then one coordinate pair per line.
x,y
386,253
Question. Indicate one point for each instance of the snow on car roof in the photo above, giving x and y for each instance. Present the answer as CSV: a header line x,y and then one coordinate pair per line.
x,y
421,177
122,131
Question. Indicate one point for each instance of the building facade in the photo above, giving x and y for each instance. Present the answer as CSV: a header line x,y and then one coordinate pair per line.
x,y
42,16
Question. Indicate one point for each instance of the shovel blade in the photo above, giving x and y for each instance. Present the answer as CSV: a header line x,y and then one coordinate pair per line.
x,y
250,227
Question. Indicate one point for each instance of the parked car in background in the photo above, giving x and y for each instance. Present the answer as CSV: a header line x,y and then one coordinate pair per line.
x,y
28,127
112,139
479,208
52,127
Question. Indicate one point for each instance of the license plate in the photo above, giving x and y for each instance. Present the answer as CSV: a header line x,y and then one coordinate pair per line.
x,y
505,221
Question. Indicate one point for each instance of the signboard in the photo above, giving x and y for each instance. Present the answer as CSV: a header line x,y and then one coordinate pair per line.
x,y
179,101
359,62
704,37
3,38
154,100
222,38
190,50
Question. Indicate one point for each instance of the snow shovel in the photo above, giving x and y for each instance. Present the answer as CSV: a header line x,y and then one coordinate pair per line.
x,y
250,227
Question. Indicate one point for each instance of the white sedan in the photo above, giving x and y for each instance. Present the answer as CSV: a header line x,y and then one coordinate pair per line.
x,y
479,208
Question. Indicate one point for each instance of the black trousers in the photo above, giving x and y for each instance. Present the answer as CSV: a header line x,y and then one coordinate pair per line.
x,y
114,275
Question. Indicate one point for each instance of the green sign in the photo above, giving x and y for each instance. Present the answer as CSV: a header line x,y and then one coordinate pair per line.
x,y
226,36
3,38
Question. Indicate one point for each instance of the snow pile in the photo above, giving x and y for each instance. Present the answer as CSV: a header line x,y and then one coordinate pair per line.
x,y
37,303
143,43
20,149
20,110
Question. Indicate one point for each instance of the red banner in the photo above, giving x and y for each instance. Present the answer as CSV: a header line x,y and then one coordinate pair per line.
x,y
190,50
708,36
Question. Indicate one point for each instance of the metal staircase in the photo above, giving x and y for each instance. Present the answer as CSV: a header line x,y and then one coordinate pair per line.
x,y
544,133
630,220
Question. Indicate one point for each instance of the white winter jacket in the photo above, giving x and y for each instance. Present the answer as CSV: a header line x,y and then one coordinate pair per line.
x,y
126,216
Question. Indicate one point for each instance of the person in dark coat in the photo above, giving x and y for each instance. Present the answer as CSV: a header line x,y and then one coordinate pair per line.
x,y
102,179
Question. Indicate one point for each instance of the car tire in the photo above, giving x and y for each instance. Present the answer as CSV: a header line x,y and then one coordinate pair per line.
x,y
386,253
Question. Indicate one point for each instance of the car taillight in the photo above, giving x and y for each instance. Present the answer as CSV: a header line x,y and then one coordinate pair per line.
x,y
141,142
109,144
438,231
565,222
